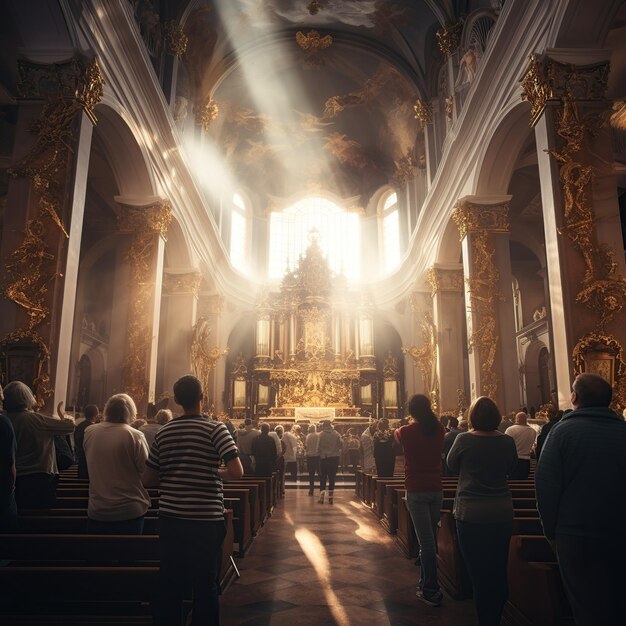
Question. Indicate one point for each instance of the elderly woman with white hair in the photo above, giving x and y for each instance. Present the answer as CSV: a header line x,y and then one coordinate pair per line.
x,y
116,457
35,460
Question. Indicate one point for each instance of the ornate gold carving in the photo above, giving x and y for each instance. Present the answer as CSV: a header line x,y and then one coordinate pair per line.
x,y
175,39
470,217
41,382
603,289
618,116
205,114
182,283
315,343
390,367
68,88
601,353
405,168
423,112
144,224
313,40
204,357
547,79
239,368
445,280
449,38
425,358
152,219
483,287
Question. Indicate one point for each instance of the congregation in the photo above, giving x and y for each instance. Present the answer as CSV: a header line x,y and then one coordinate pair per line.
x,y
188,457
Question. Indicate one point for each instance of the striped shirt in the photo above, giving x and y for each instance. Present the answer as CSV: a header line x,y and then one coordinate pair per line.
x,y
186,452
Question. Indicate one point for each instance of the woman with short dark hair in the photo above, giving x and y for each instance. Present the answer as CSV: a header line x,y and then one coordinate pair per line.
x,y
484,458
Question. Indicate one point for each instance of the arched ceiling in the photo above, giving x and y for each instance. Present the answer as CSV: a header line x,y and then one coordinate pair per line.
x,y
298,110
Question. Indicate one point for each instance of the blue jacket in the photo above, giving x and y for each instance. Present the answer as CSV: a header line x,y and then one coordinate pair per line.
x,y
580,473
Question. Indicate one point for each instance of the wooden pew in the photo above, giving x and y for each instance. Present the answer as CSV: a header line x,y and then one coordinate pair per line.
x,y
536,596
94,575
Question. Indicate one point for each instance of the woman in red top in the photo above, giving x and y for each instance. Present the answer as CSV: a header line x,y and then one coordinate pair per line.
x,y
422,442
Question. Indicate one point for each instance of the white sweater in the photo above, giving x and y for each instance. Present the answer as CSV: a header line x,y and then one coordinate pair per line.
x,y
116,458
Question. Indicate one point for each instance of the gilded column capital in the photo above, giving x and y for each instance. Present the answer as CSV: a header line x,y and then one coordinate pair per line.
x,y
152,217
445,279
548,79
473,214
77,80
175,39
182,283
423,112
449,38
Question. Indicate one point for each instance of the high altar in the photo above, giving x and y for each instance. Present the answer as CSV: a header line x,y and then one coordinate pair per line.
x,y
314,347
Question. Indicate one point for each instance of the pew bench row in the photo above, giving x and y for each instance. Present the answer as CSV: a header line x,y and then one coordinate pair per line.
x,y
536,593
53,569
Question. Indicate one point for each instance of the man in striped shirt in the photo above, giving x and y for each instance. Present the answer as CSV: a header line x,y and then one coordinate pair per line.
x,y
184,463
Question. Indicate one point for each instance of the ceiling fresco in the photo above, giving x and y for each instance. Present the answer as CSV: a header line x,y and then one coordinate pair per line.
x,y
314,94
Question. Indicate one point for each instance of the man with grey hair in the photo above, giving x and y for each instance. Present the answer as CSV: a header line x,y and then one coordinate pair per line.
x,y
116,457
581,502
35,460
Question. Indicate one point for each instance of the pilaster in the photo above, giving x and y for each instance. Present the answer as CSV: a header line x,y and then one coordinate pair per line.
x,y
585,263
448,293
44,217
483,224
180,306
145,221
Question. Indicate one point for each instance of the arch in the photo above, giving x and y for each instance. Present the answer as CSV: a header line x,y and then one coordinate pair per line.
x,y
177,253
126,149
535,351
450,250
501,151
582,23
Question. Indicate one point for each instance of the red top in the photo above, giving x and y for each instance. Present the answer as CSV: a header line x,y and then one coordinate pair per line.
x,y
422,464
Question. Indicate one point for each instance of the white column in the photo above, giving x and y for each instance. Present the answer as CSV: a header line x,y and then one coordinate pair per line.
x,y
72,261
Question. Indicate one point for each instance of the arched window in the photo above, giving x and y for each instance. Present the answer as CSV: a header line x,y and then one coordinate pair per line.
x,y
238,233
390,232
339,234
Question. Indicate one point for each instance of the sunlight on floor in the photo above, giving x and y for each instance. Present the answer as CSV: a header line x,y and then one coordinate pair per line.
x,y
316,554
369,532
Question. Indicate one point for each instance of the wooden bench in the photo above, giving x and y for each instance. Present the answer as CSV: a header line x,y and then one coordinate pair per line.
x,y
92,575
536,596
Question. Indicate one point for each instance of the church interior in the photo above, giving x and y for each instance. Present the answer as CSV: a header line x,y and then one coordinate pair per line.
x,y
319,208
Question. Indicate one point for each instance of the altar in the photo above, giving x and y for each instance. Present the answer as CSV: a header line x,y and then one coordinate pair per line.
x,y
314,413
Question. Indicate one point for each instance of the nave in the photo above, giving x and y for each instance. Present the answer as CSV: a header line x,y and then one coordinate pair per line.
x,y
330,564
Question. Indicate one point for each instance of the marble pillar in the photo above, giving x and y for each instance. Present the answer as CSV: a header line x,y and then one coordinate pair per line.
x,y
584,247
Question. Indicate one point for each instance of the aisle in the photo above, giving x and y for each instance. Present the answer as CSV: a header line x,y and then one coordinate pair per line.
x,y
323,564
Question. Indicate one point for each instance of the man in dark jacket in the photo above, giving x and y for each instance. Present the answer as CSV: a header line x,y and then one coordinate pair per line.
x,y
582,505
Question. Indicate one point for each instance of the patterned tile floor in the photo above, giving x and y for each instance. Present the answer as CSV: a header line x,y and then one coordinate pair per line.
x,y
320,564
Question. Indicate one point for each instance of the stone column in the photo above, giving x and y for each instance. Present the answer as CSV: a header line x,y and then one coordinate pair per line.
x,y
584,248
448,294
180,299
43,219
484,228
146,222
419,360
